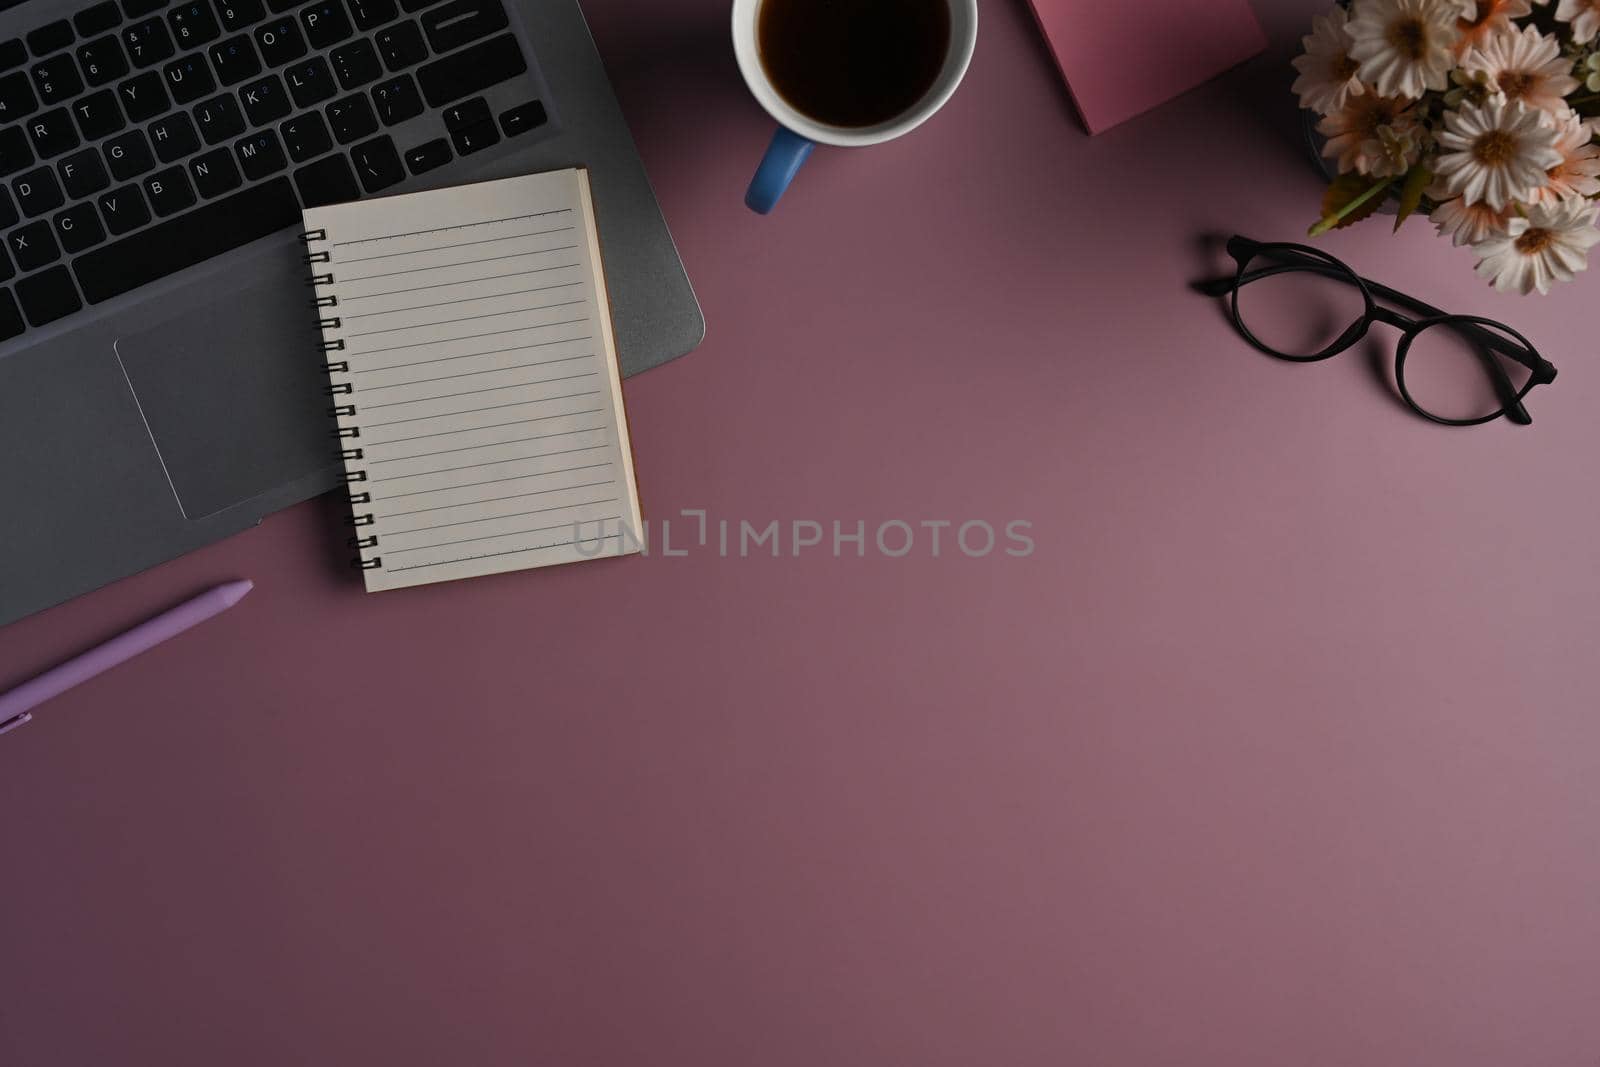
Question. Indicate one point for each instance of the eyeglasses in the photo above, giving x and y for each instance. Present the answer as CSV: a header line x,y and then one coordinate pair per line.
x,y
1299,303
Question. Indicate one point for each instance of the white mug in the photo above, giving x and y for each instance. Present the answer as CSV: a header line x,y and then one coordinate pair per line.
x,y
798,132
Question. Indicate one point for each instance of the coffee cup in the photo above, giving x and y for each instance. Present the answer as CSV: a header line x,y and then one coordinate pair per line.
x,y
849,73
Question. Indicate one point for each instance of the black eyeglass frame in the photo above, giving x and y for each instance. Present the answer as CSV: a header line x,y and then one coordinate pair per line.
x,y
1296,257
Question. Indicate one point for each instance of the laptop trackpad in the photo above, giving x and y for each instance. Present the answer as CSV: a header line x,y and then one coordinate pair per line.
x,y
234,395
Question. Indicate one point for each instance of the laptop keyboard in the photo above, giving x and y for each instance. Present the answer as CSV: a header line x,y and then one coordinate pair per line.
x,y
139,138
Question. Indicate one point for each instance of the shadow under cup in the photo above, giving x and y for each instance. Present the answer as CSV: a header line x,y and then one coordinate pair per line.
x,y
1444,367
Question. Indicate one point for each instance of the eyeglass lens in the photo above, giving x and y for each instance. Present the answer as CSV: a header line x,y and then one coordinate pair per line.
x,y
1448,370
1297,308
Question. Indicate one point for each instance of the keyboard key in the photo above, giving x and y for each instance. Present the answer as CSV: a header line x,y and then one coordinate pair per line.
x,y
97,19
50,37
264,101
16,97
13,54
474,138
413,6
8,210
280,41
79,228
466,113
98,115
326,23
426,157
52,133
169,191
15,152
351,118
102,60
193,24
471,70
310,82
124,209
211,229
10,318
143,96
369,14
128,155
38,192
327,181
260,154
135,8
48,296
189,78
459,22
82,174
401,45
6,273
173,137
147,42
280,6
219,119
397,99
235,15
33,245
234,60
56,79
306,136
523,118
377,163
214,173
355,63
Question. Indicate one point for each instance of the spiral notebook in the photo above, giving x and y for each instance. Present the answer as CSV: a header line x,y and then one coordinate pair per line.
x,y
470,356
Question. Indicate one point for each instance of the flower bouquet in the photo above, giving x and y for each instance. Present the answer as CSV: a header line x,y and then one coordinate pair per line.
x,y
1477,113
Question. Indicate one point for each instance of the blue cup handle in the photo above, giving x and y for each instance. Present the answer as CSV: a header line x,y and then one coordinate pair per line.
x,y
778,167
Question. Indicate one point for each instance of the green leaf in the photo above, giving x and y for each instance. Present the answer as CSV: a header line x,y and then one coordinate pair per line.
x,y
1417,179
1351,198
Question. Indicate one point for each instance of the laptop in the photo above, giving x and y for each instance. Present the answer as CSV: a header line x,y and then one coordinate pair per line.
x,y
161,385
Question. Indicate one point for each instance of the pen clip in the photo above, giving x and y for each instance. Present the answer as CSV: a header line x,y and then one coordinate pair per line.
x,y
15,721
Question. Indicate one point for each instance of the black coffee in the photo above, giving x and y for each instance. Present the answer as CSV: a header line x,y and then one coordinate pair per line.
x,y
853,62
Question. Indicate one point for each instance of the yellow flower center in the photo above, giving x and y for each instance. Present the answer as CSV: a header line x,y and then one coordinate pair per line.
x,y
1515,84
1534,241
1495,148
1410,37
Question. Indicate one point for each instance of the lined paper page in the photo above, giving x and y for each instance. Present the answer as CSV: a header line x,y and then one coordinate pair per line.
x,y
483,377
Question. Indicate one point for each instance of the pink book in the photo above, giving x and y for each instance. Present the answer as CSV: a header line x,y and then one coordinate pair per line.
x,y
1123,57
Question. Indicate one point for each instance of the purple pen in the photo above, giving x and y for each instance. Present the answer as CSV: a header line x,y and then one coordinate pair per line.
x,y
16,706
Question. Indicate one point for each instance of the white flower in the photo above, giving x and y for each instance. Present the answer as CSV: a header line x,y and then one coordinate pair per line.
x,y
1354,131
1327,73
1584,16
1404,46
1498,153
1525,65
1578,173
1467,224
1550,243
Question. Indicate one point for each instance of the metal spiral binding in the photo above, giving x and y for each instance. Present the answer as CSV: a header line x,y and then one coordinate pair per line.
x,y
341,388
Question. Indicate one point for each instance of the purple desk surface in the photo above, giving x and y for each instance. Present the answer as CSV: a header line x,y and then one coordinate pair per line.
x,y
1281,748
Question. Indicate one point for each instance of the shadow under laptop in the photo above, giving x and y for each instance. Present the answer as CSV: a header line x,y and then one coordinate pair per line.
x,y
334,513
